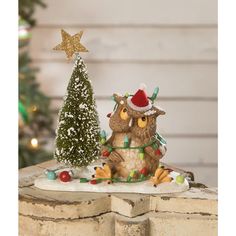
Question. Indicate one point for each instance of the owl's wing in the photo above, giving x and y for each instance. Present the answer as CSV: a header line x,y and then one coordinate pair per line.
x,y
115,157
110,140
151,152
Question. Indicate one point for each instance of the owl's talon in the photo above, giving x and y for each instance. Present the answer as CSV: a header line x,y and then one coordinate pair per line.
x,y
103,173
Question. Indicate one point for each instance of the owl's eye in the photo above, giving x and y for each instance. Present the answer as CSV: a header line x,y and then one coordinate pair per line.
x,y
123,114
142,122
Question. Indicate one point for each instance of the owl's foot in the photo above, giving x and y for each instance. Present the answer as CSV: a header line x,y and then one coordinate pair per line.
x,y
161,176
103,173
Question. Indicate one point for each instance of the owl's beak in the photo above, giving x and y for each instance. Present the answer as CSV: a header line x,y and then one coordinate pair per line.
x,y
109,115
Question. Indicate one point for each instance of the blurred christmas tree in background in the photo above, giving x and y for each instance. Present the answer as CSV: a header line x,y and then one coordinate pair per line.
x,y
35,119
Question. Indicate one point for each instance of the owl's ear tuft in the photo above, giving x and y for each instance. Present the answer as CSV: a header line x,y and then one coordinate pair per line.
x,y
116,97
159,111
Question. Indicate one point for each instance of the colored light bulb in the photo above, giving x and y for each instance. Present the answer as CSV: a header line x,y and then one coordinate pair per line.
x,y
103,134
126,141
141,155
155,92
103,141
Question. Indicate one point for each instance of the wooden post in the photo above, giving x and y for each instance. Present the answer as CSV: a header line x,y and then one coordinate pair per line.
x,y
44,213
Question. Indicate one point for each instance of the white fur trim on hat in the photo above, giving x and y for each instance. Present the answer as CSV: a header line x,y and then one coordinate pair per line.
x,y
150,112
136,108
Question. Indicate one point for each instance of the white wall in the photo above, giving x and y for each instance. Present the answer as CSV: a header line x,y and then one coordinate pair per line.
x,y
172,44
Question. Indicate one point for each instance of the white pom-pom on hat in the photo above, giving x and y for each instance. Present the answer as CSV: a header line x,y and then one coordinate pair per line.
x,y
142,86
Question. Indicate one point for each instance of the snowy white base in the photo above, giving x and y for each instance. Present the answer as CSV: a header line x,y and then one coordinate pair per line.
x,y
142,187
145,187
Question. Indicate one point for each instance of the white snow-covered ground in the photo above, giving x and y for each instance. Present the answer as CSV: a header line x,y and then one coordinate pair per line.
x,y
145,187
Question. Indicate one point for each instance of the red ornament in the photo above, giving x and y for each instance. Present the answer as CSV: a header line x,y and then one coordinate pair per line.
x,y
158,152
105,153
93,181
64,176
144,171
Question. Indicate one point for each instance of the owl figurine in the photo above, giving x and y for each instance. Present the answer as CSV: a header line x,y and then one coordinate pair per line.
x,y
120,125
134,147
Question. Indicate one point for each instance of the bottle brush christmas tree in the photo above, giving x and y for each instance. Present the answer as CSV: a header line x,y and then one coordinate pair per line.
x,y
78,133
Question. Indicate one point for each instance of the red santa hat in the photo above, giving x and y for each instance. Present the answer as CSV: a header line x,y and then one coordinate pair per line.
x,y
139,101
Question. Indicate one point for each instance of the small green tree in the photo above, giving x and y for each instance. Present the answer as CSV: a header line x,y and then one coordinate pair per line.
x,y
78,133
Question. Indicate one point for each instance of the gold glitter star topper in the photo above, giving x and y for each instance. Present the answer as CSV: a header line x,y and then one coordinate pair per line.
x,y
70,44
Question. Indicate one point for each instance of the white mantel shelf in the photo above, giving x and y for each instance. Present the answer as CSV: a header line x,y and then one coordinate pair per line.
x,y
43,213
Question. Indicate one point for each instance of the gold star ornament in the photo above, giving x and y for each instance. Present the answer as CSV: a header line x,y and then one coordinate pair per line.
x,y
70,44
